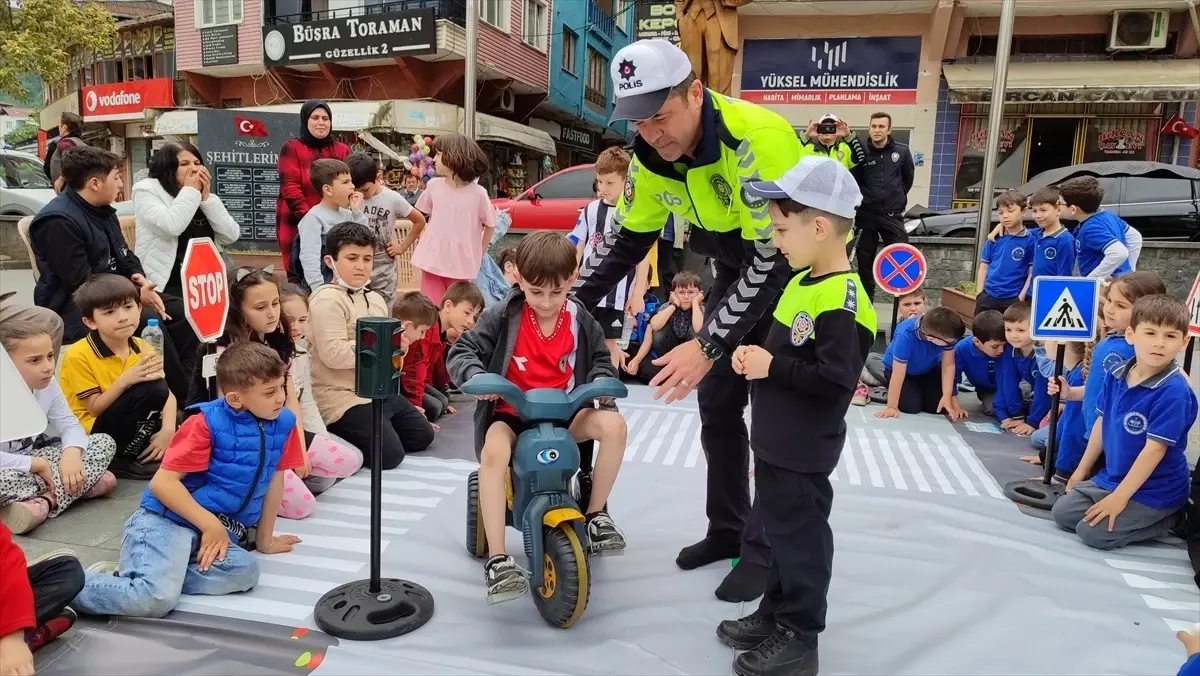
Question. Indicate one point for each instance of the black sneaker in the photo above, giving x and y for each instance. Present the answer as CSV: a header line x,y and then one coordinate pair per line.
x,y
746,633
141,436
603,535
505,579
130,468
783,654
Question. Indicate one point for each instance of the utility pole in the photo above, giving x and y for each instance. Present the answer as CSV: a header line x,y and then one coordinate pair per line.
x,y
469,71
1008,13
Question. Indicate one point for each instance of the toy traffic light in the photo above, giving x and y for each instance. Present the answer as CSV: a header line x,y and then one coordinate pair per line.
x,y
379,357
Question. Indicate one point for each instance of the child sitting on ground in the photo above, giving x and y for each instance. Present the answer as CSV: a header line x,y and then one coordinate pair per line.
x,y
976,356
919,365
209,492
676,322
911,305
425,362
42,476
1146,407
419,316
1005,264
1071,441
35,609
334,310
556,344
340,202
1018,364
383,206
114,383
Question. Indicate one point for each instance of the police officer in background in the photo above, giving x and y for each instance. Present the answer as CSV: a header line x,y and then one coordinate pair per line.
x,y
694,151
884,176
833,138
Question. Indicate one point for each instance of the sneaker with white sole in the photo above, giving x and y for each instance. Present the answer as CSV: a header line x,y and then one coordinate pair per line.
x,y
603,535
506,580
862,396
52,555
103,568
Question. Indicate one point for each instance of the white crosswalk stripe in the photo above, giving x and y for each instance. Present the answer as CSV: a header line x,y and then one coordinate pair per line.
x,y
335,542
1162,575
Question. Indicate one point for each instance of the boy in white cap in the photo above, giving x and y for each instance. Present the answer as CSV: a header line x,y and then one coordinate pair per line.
x,y
802,379
833,138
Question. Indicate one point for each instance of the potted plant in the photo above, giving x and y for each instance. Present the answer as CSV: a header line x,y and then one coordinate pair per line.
x,y
961,299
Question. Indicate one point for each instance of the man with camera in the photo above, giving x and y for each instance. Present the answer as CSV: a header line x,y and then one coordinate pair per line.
x,y
832,138
885,175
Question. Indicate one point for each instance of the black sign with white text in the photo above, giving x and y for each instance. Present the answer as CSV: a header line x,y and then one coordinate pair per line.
x,y
386,35
219,46
656,19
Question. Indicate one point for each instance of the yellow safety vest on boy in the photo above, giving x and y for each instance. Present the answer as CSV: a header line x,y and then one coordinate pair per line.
x,y
848,151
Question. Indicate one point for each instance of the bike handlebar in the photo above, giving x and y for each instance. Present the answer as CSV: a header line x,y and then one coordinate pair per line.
x,y
544,403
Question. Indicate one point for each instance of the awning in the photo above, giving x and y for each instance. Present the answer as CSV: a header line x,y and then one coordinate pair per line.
x,y
497,129
347,116
50,115
379,145
421,117
1079,81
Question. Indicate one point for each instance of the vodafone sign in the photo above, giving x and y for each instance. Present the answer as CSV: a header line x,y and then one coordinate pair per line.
x,y
126,100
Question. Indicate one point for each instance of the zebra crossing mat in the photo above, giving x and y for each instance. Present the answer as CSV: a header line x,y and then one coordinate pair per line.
x,y
935,573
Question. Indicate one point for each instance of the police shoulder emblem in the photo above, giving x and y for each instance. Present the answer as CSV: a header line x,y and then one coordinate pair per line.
x,y
802,328
721,187
895,157
629,190
841,155
752,201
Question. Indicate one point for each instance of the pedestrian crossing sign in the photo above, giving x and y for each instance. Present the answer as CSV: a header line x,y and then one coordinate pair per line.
x,y
1065,308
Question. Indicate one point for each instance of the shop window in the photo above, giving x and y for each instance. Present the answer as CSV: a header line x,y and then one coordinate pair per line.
x,y
164,64
138,69
570,47
1010,165
494,12
534,25
1111,139
218,12
568,185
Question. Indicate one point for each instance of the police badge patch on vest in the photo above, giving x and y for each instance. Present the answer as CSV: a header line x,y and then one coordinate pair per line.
x,y
629,190
721,187
802,328
895,157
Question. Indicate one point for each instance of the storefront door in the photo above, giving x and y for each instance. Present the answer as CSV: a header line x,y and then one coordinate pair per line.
x,y
1052,144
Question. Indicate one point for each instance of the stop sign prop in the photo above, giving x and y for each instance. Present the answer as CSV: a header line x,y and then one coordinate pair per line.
x,y
205,289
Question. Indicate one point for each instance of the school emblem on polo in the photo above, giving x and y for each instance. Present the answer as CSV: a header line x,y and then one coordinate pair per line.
x,y
1111,361
723,190
1135,423
1018,253
1051,253
802,328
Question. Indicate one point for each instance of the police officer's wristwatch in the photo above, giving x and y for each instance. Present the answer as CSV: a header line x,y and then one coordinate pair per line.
x,y
711,351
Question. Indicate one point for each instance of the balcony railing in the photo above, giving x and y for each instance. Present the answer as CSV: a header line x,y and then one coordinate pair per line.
x,y
600,20
454,11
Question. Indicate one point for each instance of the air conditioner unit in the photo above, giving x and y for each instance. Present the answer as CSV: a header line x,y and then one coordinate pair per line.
x,y
508,101
1138,30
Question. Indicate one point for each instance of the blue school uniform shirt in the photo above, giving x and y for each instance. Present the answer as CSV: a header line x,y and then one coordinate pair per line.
x,y
1008,259
1093,236
1161,408
907,347
1011,369
1071,440
980,368
1108,354
1054,255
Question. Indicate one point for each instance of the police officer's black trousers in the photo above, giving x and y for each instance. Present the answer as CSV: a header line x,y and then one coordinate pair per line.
x,y
723,396
795,512
875,229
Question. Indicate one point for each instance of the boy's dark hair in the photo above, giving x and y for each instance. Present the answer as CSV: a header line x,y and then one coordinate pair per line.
x,y
508,255
415,307
1083,192
944,323
348,233
841,225
83,163
1047,195
882,116
462,156
74,123
1161,310
612,161
324,171
1011,198
918,292
1019,311
988,326
104,292
463,292
363,169
545,258
245,364
685,278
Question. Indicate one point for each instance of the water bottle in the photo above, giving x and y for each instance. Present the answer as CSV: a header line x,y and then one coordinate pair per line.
x,y
152,335
630,325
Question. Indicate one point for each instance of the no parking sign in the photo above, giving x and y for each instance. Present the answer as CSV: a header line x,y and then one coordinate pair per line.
x,y
900,269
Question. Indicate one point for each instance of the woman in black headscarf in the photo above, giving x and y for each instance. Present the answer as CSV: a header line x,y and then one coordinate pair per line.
x,y
296,192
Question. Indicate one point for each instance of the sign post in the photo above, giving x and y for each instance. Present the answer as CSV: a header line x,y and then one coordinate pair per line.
x,y
205,299
1193,303
1064,311
899,269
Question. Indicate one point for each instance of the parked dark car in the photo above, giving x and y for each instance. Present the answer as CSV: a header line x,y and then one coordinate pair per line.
x,y
1161,201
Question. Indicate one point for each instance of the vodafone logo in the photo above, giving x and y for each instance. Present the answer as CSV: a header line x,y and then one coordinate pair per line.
x,y
114,100
127,100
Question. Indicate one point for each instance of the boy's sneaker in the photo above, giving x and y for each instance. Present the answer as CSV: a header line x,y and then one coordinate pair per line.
x,y
52,555
103,568
52,629
603,535
22,517
862,396
506,580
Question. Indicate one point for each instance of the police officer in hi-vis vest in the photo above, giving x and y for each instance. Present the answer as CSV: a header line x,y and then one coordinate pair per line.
x,y
694,150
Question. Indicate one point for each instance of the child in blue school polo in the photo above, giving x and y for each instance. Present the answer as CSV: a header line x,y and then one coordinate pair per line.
x,y
919,365
1054,253
976,356
1017,364
1071,439
1102,240
1146,407
1005,264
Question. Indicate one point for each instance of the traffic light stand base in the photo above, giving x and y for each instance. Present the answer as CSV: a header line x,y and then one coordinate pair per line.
x,y
1034,493
353,612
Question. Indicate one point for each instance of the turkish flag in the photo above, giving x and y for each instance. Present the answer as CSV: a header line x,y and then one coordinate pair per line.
x,y
248,127
1177,127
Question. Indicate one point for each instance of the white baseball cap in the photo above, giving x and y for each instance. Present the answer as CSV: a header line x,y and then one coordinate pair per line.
x,y
829,117
817,182
643,74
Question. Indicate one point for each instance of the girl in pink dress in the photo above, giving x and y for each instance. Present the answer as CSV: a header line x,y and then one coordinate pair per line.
x,y
461,219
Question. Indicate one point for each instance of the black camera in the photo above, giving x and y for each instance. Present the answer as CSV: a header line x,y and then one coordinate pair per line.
x,y
827,128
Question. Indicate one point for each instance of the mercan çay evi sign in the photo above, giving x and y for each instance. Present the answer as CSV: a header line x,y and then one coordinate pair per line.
x,y
831,71
385,35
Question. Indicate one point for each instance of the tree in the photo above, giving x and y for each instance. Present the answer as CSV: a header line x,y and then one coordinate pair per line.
x,y
39,35
21,135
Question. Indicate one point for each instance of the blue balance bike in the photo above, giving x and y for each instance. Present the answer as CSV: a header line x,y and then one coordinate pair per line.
x,y
545,501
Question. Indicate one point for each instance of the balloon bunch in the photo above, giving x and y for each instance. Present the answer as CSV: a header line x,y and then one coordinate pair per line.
x,y
420,158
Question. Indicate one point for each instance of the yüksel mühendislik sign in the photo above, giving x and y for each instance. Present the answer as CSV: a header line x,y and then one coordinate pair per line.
x,y
386,35
1091,95
831,71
